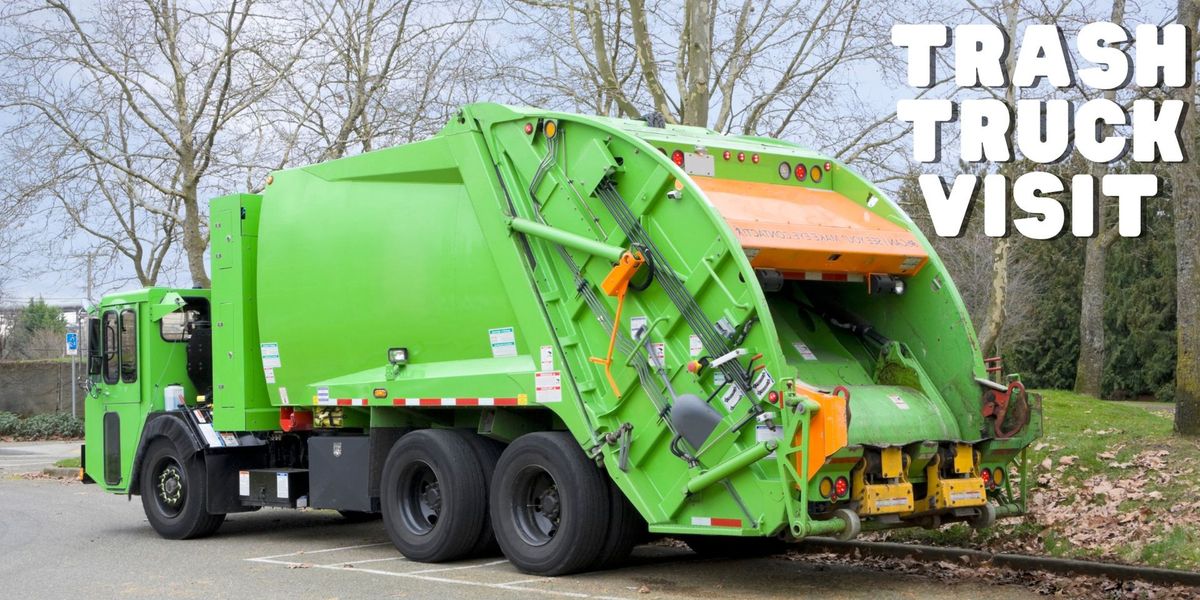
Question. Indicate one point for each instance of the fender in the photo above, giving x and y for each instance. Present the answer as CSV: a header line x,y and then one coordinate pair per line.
x,y
221,465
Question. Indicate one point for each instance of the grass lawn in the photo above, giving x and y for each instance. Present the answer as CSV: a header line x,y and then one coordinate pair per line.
x,y
69,463
1111,482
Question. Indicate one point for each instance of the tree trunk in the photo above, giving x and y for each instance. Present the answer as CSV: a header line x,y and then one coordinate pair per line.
x,y
1090,367
194,240
1089,370
1186,182
994,321
699,62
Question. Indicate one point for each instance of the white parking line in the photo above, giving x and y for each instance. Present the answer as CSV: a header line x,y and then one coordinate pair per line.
x,y
307,552
363,562
4,465
489,564
423,575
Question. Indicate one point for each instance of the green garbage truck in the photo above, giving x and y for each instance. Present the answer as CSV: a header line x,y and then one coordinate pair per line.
x,y
550,335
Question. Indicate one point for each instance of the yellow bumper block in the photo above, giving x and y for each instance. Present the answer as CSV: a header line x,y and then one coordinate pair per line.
x,y
959,493
886,499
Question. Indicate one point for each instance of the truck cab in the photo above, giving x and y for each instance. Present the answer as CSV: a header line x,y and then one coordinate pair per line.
x,y
141,343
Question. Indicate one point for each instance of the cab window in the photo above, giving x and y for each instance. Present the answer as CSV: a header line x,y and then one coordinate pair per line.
x,y
128,352
109,348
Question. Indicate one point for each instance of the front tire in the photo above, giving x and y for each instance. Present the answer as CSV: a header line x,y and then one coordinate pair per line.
x,y
433,496
549,505
173,489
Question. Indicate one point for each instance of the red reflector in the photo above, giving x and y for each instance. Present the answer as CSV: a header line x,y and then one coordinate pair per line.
x,y
677,157
841,486
754,159
828,165
528,128
773,397
726,155
741,157
801,172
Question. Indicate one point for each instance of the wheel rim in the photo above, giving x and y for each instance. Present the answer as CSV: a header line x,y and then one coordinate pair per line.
x,y
537,511
169,487
420,498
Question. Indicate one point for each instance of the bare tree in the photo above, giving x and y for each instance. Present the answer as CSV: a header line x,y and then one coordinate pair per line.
x,y
378,72
1186,182
181,76
792,69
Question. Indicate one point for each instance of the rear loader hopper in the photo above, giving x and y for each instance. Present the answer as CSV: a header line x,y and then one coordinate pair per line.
x,y
553,331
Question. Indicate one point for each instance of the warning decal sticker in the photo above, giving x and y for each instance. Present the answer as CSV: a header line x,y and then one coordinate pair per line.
x,y
547,358
762,384
548,387
270,356
504,343
804,351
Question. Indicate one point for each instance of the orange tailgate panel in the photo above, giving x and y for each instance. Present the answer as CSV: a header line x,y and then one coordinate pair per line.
x,y
797,230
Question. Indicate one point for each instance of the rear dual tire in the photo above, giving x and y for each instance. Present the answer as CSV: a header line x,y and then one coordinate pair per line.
x,y
554,512
449,494
433,494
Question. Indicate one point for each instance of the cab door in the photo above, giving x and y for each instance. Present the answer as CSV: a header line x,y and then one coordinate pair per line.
x,y
119,391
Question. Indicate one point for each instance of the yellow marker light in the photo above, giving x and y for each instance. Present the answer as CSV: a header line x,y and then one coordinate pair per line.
x,y
379,393
826,487
998,476
817,175
550,128
270,179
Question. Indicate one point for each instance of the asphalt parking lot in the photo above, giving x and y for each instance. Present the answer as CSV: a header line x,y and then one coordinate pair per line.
x,y
61,539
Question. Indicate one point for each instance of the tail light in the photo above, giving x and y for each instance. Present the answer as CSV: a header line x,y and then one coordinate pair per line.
x,y
840,487
801,172
741,157
726,154
528,128
828,166
677,157
754,159
986,476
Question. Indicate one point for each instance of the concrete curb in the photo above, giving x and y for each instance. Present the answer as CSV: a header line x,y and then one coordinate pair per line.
x,y
62,472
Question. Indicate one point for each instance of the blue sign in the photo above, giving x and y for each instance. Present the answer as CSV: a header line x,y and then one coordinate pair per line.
x,y
72,343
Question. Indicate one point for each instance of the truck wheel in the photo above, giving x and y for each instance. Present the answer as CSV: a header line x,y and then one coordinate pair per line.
x,y
625,528
549,505
488,452
432,495
173,490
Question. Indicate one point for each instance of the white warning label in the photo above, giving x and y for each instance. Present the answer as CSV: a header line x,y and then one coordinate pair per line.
x,y
547,387
805,352
898,401
281,485
547,355
762,384
504,342
637,327
658,354
270,375
270,355
695,348
731,397
766,433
